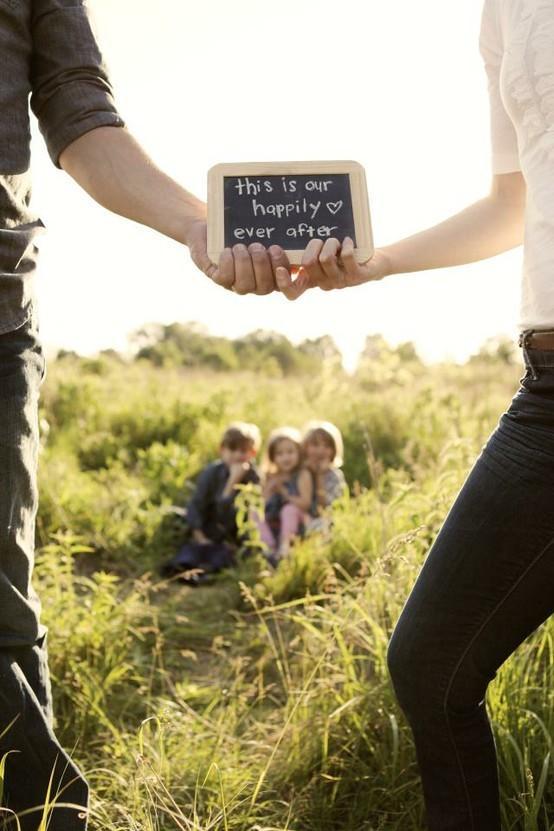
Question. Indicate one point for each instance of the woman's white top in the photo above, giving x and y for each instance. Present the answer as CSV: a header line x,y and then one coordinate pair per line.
x,y
517,45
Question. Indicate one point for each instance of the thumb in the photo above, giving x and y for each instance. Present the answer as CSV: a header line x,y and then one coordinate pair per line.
x,y
292,289
200,258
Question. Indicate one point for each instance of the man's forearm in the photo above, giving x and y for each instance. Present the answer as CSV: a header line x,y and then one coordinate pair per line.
x,y
114,169
483,229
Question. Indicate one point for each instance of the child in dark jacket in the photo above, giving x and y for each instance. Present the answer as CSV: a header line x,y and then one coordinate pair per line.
x,y
211,511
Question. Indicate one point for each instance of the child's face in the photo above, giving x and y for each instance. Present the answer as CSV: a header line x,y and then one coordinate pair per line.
x,y
237,455
319,452
286,456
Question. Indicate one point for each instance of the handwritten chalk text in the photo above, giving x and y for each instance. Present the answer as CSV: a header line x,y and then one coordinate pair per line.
x,y
287,210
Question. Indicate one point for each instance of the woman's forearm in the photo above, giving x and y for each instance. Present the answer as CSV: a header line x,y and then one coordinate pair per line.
x,y
483,229
114,169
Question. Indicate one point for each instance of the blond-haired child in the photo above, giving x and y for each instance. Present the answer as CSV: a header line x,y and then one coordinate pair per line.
x,y
323,450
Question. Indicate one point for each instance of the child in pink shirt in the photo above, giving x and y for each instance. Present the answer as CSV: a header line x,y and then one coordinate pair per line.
x,y
287,492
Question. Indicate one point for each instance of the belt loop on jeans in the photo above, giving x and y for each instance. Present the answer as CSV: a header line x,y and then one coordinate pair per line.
x,y
523,341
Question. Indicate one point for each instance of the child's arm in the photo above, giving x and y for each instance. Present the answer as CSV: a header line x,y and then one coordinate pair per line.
x,y
319,485
305,492
336,487
237,472
267,487
271,485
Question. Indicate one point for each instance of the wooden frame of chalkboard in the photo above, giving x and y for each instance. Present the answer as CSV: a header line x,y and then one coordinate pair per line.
x,y
288,203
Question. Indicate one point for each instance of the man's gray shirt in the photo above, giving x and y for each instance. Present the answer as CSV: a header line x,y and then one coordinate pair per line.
x,y
47,50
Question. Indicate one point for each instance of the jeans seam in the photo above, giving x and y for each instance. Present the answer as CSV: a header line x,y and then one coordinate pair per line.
x,y
463,655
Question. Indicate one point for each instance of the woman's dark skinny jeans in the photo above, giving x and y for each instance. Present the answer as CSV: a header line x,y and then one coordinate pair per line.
x,y
487,583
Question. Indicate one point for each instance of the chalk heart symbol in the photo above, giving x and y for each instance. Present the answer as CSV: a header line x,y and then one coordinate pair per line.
x,y
334,207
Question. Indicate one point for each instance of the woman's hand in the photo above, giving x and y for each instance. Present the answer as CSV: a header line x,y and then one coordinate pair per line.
x,y
242,269
328,265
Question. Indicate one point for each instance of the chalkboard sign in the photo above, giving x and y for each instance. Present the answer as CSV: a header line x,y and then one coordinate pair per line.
x,y
288,204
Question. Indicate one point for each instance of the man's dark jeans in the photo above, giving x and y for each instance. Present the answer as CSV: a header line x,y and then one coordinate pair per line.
x,y
487,583
34,758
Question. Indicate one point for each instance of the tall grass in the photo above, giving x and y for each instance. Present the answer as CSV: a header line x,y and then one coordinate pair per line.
x,y
261,701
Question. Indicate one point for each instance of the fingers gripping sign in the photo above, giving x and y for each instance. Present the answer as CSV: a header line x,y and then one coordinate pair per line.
x,y
244,270
245,280
328,266
332,267
320,261
310,262
263,269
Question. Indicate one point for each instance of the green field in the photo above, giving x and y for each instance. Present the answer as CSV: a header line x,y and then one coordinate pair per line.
x,y
261,701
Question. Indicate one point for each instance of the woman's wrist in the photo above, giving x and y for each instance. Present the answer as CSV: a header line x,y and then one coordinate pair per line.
x,y
390,264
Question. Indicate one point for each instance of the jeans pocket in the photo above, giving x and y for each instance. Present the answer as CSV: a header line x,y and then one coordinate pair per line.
x,y
538,376
525,377
522,446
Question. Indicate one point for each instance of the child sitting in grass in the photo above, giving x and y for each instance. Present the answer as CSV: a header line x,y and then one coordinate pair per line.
x,y
287,492
211,511
323,452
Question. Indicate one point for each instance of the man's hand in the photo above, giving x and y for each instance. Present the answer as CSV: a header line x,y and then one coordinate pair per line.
x,y
328,265
242,269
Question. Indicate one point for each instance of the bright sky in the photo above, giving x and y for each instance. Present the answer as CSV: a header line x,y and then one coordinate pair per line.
x,y
398,86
